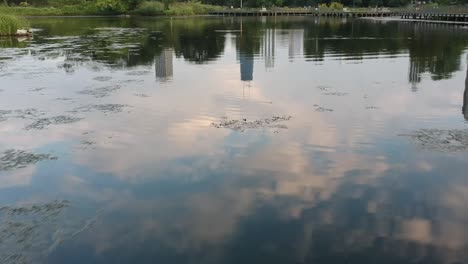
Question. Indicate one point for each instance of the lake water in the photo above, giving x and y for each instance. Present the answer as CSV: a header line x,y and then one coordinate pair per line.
x,y
228,140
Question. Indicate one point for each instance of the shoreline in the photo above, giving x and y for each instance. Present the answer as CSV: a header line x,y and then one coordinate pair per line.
x,y
117,16
77,16
128,16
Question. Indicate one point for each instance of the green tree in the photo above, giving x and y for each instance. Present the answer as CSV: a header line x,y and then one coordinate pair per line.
x,y
110,6
374,3
166,4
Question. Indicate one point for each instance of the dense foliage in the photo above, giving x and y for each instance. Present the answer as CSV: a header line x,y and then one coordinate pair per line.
x,y
181,7
104,7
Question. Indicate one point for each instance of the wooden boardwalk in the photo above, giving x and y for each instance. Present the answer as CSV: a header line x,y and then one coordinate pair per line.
x,y
305,12
461,16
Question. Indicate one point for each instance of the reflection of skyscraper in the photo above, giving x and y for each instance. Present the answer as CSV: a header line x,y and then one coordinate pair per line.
x,y
296,42
246,66
465,97
269,44
163,65
414,75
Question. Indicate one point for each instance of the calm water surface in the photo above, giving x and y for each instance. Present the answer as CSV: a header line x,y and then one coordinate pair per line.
x,y
220,140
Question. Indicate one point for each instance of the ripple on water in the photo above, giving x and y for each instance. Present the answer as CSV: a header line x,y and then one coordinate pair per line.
x,y
100,92
37,89
142,95
322,109
64,99
323,88
104,108
138,73
335,93
102,78
131,81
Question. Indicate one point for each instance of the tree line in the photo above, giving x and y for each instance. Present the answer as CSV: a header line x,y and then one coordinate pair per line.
x,y
128,5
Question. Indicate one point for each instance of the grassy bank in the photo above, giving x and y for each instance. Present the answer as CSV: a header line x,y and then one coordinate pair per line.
x,y
9,24
147,8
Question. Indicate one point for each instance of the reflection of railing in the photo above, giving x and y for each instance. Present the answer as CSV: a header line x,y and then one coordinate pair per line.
x,y
433,10
465,98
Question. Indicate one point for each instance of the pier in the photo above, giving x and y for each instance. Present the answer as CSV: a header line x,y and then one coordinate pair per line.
x,y
454,16
303,12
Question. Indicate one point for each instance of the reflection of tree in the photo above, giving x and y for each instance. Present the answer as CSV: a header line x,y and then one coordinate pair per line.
x,y
112,47
465,97
122,42
432,48
414,74
246,62
127,42
269,47
200,46
248,43
12,43
351,38
163,65
194,39
435,50
296,43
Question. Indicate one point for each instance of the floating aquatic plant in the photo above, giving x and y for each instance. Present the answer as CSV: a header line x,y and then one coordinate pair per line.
x,y
440,140
243,124
55,120
104,108
16,159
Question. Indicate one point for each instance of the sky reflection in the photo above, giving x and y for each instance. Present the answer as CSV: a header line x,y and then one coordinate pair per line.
x,y
150,179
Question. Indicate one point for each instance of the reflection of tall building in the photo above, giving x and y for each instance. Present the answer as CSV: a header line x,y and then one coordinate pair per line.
x,y
465,97
414,74
296,42
246,66
269,44
163,65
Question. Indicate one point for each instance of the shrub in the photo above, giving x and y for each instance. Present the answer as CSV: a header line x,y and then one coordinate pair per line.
x,y
131,4
180,10
199,8
110,6
9,24
24,4
336,6
85,9
89,8
150,9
